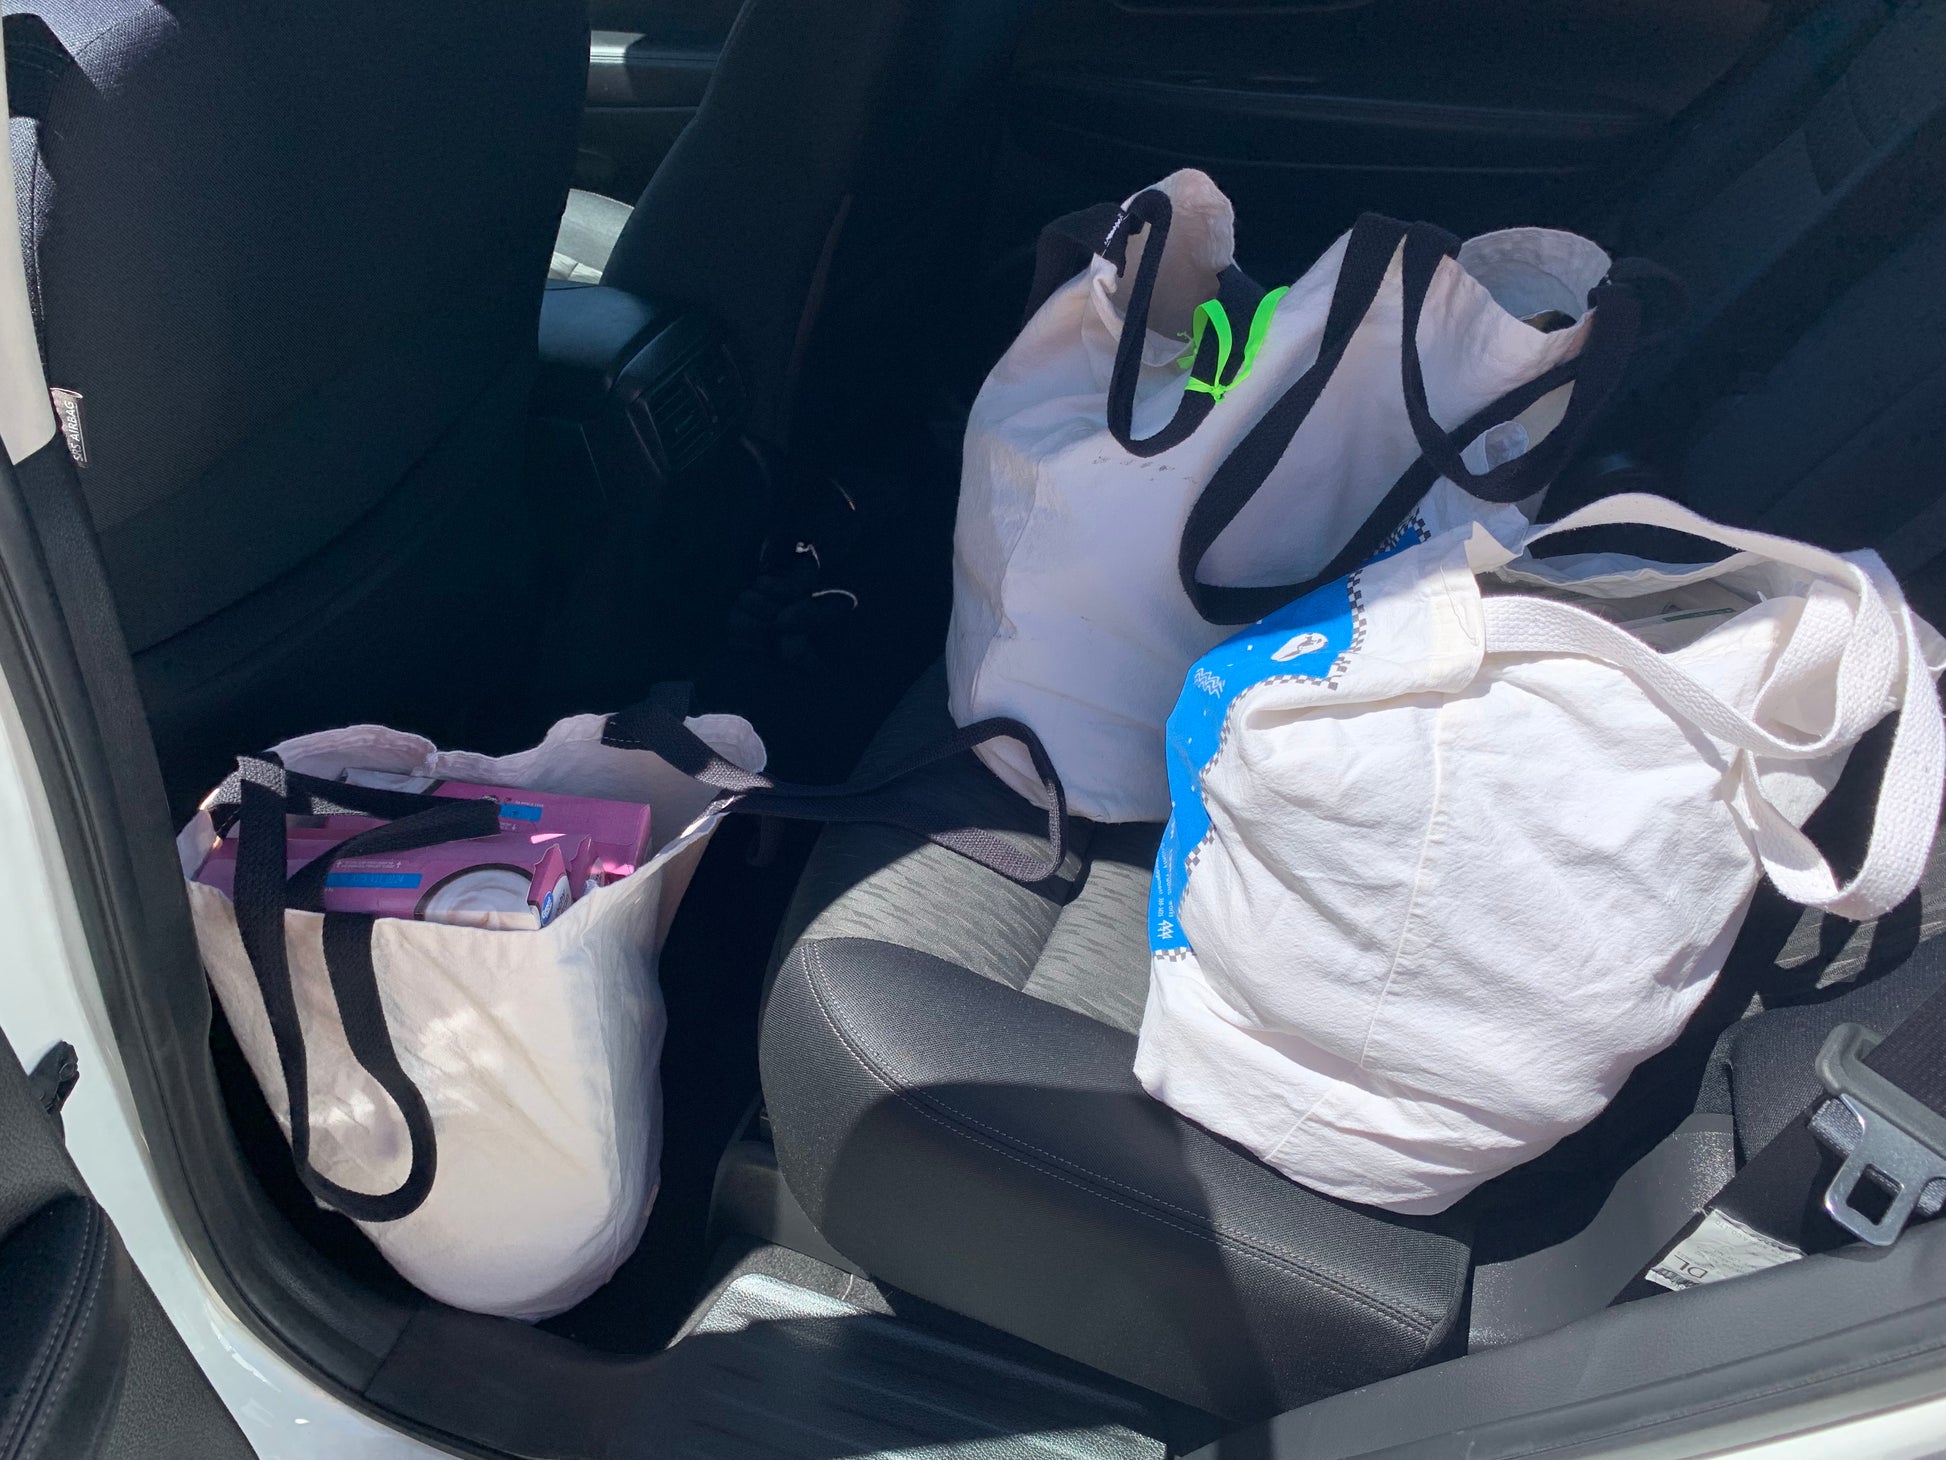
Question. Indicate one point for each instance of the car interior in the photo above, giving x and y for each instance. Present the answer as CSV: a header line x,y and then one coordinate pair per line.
x,y
459,368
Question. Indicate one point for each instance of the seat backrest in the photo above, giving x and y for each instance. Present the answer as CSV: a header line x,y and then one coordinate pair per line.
x,y
834,146
290,258
1805,207
1768,241
1810,398
1843,439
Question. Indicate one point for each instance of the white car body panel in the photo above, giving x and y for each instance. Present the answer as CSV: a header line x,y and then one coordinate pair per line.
x,y
48,993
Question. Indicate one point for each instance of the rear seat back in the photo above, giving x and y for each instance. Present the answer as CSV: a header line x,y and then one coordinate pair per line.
x,y
1740,119
1803,206
949,1086
1844,439
1766,244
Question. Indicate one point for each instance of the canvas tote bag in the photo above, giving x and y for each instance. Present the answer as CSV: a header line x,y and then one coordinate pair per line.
x,y
1162,426
1460,839
484,1103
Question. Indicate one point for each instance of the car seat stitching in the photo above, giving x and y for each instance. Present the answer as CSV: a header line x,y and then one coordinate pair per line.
x,y
97,1249
50,1346
1135,1191
1217,1236
1106,1180
1275,1258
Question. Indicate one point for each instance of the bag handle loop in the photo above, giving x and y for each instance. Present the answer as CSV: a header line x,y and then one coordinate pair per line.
x,y
1615,325
263,793
1879,661
1228,332
1369,250
1373,243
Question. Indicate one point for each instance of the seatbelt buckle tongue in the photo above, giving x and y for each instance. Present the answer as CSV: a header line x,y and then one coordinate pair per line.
x,y
1901,1144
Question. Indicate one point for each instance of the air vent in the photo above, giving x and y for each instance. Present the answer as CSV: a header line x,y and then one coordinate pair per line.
x,y
695,402
685,427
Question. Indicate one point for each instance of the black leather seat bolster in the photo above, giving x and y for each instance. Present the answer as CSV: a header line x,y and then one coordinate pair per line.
x,y
993,1153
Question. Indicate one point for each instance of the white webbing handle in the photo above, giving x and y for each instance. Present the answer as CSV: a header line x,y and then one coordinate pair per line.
x,y
1879,663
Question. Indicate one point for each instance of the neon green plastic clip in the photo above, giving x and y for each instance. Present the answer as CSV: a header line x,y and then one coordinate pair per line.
x,y
1210,315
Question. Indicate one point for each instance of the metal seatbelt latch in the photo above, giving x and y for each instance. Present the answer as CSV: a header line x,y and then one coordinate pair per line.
x,y
1901,1143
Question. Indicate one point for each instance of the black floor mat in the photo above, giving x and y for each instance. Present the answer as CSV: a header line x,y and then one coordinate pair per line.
x,y
712,977
788,1357
815,720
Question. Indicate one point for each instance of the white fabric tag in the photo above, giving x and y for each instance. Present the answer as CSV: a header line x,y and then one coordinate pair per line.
x,y
1722,1247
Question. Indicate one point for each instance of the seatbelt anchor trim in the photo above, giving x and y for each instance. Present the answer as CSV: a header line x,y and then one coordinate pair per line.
x,y
1901,1139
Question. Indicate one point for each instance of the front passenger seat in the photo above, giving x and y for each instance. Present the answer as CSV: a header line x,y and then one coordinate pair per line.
x,y
286,260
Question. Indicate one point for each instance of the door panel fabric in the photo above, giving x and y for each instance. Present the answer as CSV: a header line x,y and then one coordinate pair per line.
x,y
89,1365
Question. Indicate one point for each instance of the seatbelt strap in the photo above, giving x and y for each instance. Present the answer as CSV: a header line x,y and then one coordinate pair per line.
x,y
1864,1160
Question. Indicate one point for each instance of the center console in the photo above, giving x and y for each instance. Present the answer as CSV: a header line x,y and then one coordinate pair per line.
x,y
638,464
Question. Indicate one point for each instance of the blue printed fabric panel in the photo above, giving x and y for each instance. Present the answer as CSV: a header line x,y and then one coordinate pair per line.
x,y
1302,640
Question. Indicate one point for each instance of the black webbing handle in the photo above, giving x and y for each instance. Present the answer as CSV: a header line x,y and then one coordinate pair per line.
x,y
1065,247
877,798
1368,257
1379,528
1595,373
264,793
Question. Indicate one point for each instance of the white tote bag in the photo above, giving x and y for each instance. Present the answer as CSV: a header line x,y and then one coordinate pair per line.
x,y
1462,838
1106,465
484,1103
496,1127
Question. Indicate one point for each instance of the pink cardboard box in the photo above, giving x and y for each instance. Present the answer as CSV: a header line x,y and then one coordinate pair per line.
x,y
617,831
510,882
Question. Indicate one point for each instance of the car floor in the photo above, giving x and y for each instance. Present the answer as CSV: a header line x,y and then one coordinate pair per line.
x,y
787,1353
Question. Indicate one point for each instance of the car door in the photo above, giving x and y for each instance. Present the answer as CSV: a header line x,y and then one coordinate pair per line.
x,y
89,1365
649,62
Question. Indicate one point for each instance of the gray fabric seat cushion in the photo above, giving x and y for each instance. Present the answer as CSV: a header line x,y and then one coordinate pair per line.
x,y
1090,955
948,1062
590,224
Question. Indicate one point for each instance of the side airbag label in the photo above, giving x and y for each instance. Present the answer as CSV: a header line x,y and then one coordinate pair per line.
x,y
67,410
